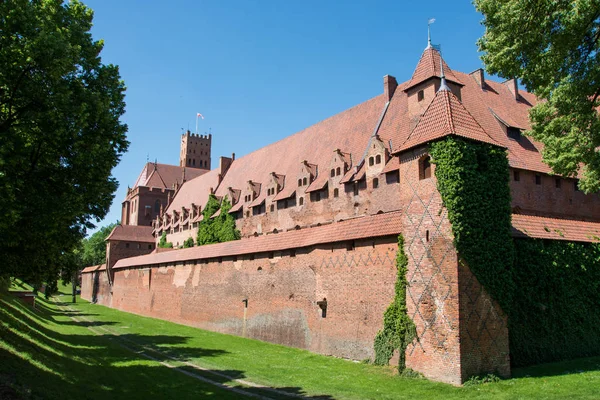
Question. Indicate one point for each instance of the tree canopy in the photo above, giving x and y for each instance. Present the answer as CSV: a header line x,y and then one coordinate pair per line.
x,y
93,250
60,133
552,47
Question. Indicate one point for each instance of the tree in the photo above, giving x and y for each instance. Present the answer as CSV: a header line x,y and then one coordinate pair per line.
x,y
227,230
552,46
94,248
60,133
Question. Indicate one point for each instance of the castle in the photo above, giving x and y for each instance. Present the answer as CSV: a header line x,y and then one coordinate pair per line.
x,y
320,213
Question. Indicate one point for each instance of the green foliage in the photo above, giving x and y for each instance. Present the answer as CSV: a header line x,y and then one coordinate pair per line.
x,y
220,228
398,329
163,244
473,181
552,46
189,242
60,131
480,380
94,247
556,313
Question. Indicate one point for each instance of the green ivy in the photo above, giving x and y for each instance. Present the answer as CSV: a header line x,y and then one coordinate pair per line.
x,y
550,290
189,242
220,228
473,180
163,244
398,329
556,312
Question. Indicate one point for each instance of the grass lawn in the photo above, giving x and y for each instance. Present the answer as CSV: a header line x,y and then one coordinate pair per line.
x,y
64,351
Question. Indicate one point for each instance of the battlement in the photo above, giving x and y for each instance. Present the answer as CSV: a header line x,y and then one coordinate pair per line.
x,y
197,136
195,150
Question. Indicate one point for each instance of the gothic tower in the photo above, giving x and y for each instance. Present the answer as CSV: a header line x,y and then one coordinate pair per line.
x,y
195,150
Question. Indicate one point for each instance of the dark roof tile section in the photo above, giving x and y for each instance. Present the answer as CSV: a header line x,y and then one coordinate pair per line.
x,y
132,233
359,228
94,268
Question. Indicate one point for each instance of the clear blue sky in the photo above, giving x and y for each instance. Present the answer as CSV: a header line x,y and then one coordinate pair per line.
x,y
261,70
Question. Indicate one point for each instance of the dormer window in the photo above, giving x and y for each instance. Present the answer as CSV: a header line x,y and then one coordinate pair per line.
x,y
304,181
332,172
371,161
513,133
378,159
299,182
337,171
420,95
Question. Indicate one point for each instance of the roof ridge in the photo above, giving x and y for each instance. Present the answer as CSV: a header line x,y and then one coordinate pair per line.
x,y
449,116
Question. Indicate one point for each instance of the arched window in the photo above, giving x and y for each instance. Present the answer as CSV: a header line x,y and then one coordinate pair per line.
x,y
378,159
336,192
304,181
299,182
301,201
375,183
371,161
337,171
194,161
425,167
420,95
157,206
332,172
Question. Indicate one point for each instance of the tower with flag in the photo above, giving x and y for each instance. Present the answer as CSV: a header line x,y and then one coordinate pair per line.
x,y
195,148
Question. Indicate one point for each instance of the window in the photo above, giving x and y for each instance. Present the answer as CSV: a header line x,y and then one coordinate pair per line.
x,y
378,159
148,210
293,253
513,133
392,177
538,179
336,192
420,95
375,183
371,161
337,171
557,183
299,182
157,206
425,168
355,188
304,181
332,172
315,196
301,201
126,245
516,176
149,247
194,161
272,208
350,245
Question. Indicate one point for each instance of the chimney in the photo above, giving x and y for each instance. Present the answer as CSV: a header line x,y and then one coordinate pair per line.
x,y
389,86
232,156
224,164
479,77
513,86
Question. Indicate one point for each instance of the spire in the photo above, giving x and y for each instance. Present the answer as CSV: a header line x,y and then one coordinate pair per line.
x,y
429,22
443,84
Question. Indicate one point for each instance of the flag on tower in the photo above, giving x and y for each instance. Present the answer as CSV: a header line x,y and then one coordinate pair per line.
x,y
199,115
431,21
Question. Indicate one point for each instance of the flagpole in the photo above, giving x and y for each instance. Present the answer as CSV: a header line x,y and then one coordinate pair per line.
x,y
196,123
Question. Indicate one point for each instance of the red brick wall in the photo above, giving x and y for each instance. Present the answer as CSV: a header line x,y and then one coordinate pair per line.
x,y
282,293
95,287
547,199
438,292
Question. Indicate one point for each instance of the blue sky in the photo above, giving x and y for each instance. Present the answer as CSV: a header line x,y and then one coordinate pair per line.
x,y
261,70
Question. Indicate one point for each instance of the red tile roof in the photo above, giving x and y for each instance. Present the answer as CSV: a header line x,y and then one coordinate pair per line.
x,y
132,233
94,268
555,228
358,228
164,176
429,67
445,116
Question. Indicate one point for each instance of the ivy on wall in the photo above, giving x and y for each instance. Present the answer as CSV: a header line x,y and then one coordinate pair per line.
x,y
220,228
473,180
550,290
398,329
556,312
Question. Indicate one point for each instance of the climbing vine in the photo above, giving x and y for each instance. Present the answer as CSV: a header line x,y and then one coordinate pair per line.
x,y
473,180
217,229
398,329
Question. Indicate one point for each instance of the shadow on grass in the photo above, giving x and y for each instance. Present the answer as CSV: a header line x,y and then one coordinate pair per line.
x,y
45,354
568,367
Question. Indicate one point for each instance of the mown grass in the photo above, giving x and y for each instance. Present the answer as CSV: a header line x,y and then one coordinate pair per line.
x,y
46,354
